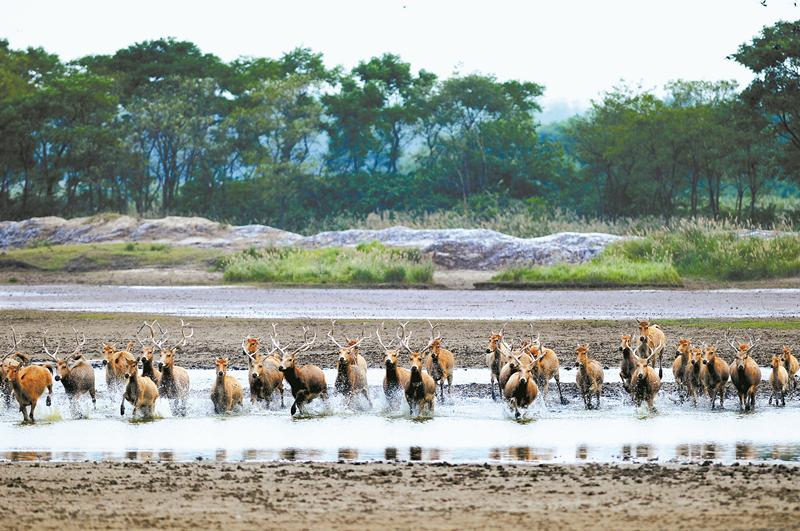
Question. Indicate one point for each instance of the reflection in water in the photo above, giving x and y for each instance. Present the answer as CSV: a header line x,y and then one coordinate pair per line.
x,y
348,454
747,452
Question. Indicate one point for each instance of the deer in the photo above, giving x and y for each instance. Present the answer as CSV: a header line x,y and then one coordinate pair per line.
x,y
629,362
681,366
715,375
779,380
695,375
351,369
74,372
174,379
439,363
589,377
420,390
13,358
141,392
497,355
264,377
791,365
396,379
306,382
226,392
27,382
645,383
655,339
149,367
511,366
521,390
745,373
116,363
545,366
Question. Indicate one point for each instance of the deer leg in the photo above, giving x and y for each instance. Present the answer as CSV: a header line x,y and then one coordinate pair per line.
x,y
122,407
492,381
783,398
597,395
560,395
280,390
712,393
366,395
49,395
93,394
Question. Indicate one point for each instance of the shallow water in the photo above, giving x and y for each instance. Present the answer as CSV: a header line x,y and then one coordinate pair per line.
x,y
264,303
464,429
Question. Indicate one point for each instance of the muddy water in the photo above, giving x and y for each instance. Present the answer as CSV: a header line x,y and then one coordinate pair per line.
x,y
465,429
405,304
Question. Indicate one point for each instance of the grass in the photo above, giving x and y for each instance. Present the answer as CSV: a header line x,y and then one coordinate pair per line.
x,y
595,273
96,256
668,256
734,324
365,264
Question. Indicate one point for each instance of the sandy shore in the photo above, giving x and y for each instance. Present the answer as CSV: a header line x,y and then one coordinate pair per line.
x,y
396,496
468,339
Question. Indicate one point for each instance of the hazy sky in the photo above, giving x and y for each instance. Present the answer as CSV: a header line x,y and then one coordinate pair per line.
x,y
576,48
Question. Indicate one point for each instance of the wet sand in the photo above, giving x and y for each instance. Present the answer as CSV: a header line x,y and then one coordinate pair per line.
x,y
396,496
245,301
467,339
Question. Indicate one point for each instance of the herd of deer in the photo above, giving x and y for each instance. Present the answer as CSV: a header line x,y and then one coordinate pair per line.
x,y
518,373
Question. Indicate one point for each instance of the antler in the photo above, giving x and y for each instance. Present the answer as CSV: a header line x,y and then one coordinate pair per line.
x,y
44,344
184,337
152,333
78,344
753,342
15,342
380,340
330,334
405,337
433,329
733,345
307,344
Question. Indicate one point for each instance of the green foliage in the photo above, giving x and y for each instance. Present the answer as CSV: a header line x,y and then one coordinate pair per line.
x,y
665,257
370,263
600,272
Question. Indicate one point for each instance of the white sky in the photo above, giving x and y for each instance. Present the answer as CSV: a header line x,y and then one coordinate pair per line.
x,y
576,48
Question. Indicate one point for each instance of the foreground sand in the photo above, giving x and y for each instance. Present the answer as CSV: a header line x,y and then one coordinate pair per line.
x,y
395,496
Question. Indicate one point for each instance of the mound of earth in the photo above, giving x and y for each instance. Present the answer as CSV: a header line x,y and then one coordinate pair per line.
x,y
474,249
479,249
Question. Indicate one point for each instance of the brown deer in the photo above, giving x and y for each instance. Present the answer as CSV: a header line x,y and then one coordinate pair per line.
x,y
791,365
521,389
439,363
497,355
511,366
695,376
74,372
745,373
396,379
420,390
174,379
306,382
351,369
264,375
715,375
13,358
545,366
655,339
589,377
226,392
149,367
629,362
116,364
28,383
681,366
645,383
779,380
140,392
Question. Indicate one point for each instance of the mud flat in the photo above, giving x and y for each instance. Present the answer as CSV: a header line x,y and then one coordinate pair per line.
x,y
394,496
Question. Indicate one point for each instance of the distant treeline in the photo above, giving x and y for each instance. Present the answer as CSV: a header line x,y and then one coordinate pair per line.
x,y
162,128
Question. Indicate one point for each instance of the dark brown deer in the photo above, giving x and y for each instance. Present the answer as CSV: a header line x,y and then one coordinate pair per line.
x,y
306,382
149,367
645,383
421,388
715,375
629,362
681,366
521,389
264,375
